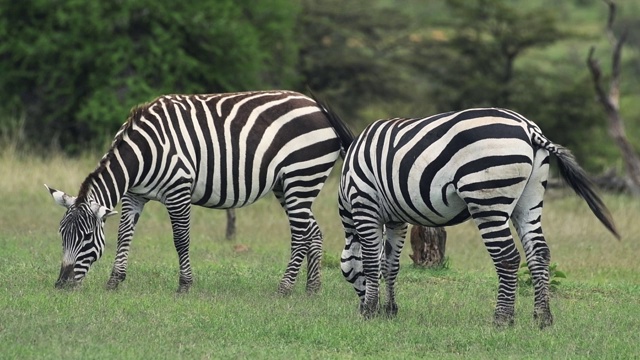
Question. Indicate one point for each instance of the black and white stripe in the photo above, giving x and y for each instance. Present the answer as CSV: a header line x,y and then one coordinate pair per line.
x,y
489,165
218,151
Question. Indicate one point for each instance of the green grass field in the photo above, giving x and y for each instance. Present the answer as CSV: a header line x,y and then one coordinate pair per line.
x,y
233,311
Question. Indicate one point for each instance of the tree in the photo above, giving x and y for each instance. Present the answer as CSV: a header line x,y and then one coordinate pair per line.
x,y
354,53
476,67
74,68
483,61
611,100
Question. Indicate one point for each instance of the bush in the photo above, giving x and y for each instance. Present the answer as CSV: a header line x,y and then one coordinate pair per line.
x,y
74,68
525,281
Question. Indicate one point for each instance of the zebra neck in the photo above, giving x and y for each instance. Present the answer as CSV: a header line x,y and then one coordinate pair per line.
x,y
106,184
104,195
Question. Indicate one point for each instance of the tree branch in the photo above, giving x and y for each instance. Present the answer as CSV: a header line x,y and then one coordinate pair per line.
x,y
612,17
596,74
611,100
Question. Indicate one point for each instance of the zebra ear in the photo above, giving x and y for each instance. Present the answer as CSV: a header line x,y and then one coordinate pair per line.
x,y
101,212
61,197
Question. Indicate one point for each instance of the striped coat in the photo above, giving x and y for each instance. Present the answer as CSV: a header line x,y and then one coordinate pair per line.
x,y
218,151
488,165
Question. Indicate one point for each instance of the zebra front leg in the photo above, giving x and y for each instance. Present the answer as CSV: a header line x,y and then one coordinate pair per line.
x,y
132,207
396,234
351,256
370,235
180,215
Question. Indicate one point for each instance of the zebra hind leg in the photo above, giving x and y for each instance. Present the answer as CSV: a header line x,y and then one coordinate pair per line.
x,y
286,284
526,219
351,255
496,235
538,258
296,197
299,249
314,258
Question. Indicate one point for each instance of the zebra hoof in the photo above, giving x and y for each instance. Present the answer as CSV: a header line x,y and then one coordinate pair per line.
x,y
543,318
114,280
313,288
112,284
390,310
285,289
503,319
369,310
184,286
183,289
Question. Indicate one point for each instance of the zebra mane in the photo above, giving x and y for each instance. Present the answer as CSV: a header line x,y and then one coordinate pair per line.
x,y
134,116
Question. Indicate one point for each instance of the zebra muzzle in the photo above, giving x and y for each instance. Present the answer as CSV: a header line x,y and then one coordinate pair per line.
x,y
66,279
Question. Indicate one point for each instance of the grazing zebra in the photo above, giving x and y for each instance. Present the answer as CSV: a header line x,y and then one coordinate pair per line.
x,y
219,151
489,165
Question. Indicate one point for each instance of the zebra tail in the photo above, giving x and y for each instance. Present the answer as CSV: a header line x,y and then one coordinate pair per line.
x,y
339,126
577,178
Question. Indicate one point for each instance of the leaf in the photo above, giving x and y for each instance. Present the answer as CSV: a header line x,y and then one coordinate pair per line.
x,y
559,274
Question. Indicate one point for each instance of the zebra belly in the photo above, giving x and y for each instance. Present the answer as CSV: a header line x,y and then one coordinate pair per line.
x,y
216,199
431,210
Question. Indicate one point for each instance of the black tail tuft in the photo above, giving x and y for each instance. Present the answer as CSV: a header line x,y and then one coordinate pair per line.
x,y
341,128
579,181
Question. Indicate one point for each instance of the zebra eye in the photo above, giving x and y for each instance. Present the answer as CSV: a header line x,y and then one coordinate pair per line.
x,y
86,237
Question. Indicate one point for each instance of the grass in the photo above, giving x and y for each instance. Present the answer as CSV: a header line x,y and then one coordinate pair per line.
x,y
232,310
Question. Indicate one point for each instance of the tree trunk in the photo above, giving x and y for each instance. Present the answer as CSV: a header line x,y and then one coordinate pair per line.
x,y
611,102
231,224
428,245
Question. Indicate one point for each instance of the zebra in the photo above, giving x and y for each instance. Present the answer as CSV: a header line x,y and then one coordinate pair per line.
x,y
486,164
219,151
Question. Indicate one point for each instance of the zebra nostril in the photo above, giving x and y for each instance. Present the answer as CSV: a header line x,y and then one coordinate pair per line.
x,y
66,277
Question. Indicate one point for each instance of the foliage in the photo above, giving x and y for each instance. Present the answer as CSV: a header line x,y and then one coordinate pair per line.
x,y
477,64
525,280
72,69
356,53
566,111
76,67
492,58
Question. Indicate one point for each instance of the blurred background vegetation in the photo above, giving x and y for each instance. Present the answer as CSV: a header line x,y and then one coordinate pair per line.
x,y
70,70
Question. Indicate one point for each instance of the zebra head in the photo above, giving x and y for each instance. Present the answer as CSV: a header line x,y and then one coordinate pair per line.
x,y
82,231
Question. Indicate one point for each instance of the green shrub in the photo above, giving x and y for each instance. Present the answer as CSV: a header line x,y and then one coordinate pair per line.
x,y
75,68
525,281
